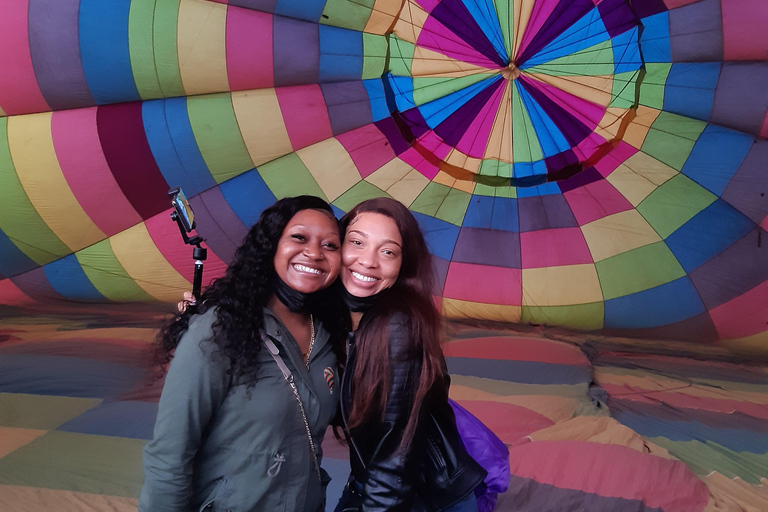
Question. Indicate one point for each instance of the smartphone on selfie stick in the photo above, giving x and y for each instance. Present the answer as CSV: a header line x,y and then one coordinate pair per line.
x,y
185,218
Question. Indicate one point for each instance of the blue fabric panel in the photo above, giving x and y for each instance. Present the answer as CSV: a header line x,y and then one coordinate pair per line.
x,y
134,420
12,261
186,146
479,212
716,157
626,54
377,98
527,169
441,236
711,231
66,376
341,54
586,32
550,138
402,88
248,196
103,30
654,39
662,305
524,372
547,189
68,279
484,13
690,89
309,10
505,215
437,111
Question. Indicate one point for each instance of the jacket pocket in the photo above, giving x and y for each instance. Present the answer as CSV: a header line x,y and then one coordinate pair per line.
x,y
220,498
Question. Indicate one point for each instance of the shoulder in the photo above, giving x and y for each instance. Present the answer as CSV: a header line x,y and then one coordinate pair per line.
x,y
199,337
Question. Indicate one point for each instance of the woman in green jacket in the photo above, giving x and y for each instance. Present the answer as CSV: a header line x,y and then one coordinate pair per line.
x,y
232,434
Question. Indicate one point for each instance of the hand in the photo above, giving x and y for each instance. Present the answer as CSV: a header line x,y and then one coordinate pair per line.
x,y
189,300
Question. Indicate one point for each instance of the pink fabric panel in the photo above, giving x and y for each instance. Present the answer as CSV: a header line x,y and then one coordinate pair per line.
x,y
435,144
418,162
517,349
674,4
305,115
612,160
595,201
764,129
78,149
249,49
435,36
509,422
585,111
743,316
482,283
368,148
11,295
745,36
554,248
588,147
19,92
475,140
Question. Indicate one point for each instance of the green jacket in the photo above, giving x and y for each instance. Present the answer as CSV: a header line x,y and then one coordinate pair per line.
x,y
219,446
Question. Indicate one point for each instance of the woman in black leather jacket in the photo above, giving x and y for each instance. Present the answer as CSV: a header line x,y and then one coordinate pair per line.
x,y
405,451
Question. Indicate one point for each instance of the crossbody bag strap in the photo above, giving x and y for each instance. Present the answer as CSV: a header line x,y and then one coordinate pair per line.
x,y
275,353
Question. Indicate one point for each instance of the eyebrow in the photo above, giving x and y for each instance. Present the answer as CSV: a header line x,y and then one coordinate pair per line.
x,y
365,235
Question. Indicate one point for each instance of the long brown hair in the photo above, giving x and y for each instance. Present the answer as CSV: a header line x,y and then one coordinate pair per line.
x,y
410,298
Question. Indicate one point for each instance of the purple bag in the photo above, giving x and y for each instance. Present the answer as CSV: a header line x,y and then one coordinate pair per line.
x,y
489,451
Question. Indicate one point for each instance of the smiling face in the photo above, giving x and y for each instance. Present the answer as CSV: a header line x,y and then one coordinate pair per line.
x,y
372,254
308,256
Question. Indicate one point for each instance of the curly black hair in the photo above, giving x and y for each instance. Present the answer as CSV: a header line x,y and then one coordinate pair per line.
x,y
245,288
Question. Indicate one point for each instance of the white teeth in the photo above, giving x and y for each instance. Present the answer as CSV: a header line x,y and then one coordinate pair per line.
x,y
361,277
302,268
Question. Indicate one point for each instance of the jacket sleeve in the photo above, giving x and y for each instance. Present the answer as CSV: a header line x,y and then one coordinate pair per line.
x,y
392,472
195,386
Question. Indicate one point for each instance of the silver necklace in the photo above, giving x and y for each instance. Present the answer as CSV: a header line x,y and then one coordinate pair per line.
x,y
311,339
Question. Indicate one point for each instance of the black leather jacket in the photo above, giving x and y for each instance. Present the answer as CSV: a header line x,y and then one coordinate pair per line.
x,y
436,466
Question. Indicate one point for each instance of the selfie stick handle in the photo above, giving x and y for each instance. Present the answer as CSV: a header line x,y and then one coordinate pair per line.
x,y
199,254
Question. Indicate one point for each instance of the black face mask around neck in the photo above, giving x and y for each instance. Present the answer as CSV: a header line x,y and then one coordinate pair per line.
x,y
294,300
359,304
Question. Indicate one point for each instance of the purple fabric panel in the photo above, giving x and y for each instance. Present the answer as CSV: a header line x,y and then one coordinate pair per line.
x,y
348,105
416,123
617,16
545,212
581,179
440,267
696,32
733,272
256,5
645,8
698,329
735,420
527,495
562,17
457,18
741,96
748,188
572,129
389,128
297,52
456,125
488,247
35,285
218,224
54,44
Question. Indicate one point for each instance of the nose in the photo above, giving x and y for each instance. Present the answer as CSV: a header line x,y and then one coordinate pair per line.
x,y
314,250
368,257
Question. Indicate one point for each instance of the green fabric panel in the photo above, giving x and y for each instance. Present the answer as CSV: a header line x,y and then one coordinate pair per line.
x,y
351,14
41,412
374,55
596,60
141,48
165,31
525,143
454,207
703,458
576,316
18,218
430,199
504,388
506,21
652,90
77,462
623,93
664,208
671,138
288,176
492,167
360,192
400,56
432,88
108,276
218,135
637,270
487,190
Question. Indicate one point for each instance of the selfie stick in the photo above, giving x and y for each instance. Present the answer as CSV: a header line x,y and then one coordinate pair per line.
x,y
199,254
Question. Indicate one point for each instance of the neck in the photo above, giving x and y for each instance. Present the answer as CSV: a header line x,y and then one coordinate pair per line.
x,y
356,316
284,314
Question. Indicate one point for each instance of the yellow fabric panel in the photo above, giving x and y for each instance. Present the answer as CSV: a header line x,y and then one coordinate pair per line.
x,y
561,286
36,498
556,408
597,89
2,112
13,439
639,176
446,179
382,16
459,159
31,146
399,180
499,144
331,166
617,234
756,344
609,125
455,308
734,494
595,429
523,10
429,63
412,18
144,262
261,124
577,392
640,125
202,46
